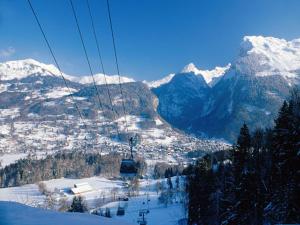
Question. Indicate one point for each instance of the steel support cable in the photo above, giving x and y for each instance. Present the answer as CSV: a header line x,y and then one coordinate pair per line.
x,y
102,65
56,62
85,53
86,56
117,63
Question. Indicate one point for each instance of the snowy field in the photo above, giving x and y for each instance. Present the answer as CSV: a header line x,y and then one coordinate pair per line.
x,y
102,197
159,214
12,213
7,159
30,194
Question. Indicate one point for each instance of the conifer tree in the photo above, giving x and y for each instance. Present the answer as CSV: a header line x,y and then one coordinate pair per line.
x,y
291,164
244,179
201,187
257,170
78,205
241,152
261,182
280,146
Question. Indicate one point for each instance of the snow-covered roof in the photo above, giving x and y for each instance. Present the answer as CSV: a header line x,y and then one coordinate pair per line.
x,y
81,188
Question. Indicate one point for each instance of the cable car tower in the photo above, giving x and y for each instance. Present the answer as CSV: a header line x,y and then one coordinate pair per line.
x,y
142,220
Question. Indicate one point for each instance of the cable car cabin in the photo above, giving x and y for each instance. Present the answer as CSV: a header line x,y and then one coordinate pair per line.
x,y
121,211
128,168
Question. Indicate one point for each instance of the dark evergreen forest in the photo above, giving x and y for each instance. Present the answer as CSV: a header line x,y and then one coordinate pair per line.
x,y
258,183
67,164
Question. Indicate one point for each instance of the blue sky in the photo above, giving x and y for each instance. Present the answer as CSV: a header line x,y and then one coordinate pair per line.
x,y
154,37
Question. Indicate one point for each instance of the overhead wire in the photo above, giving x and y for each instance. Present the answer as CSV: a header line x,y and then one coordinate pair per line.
x,y
102,65
58,66
86,55
117,63
56,62
117,66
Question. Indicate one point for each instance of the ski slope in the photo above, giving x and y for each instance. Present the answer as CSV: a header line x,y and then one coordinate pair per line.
x,y
12,213
159,214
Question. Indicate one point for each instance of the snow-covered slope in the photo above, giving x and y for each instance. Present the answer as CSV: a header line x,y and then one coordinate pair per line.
x,y
20,69
259,56
12,213
180,98
208,75
265,56
249,90
102,188
157,83
100,79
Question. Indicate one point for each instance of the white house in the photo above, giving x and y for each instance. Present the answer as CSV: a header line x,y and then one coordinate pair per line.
x,y
81,188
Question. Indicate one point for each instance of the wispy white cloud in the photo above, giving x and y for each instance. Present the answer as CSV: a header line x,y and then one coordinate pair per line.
x,y
4,53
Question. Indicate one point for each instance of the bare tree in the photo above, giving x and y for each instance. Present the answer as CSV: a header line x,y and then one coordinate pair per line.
x,y
50,202
158,187
135,186
114,193
43,188
63,205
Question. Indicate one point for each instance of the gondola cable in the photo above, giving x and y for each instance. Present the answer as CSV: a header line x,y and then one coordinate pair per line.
x,y
56,62
86,56
117,63
115,113
129,167
129,164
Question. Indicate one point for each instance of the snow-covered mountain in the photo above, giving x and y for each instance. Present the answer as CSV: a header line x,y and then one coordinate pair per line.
x,y
249,90
20,69
267,56
209,75
100,79
211,102
157,83
181,97
38,113
259,56
23,68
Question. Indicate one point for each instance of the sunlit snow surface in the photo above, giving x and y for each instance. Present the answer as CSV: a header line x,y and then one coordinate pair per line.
x,y
265,56
23,68
46,137
30,195
12,213
59,92
157,83
258,56
208,75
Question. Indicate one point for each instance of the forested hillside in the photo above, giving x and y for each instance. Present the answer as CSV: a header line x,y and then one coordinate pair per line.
x,y
69,165
259,183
